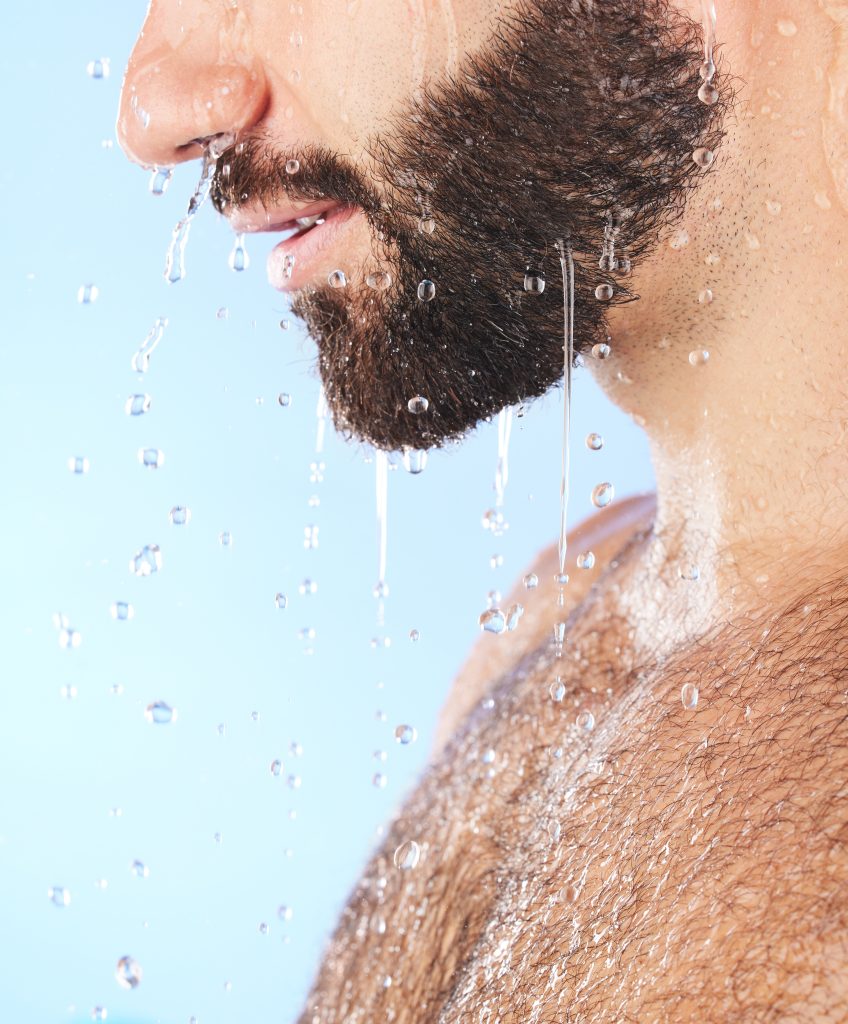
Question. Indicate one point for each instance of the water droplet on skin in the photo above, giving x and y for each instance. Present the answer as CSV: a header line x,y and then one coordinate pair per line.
x,y
414,460
786,27
601,351
773,207
586,721
705,297
707,71
78,465
426,291
292,166
128,973
87,294
530,581
414,635
703,157
239,260
180,515
699,357
679,240
418,404
561,579
337,279
602,495
139,869
406,734
708,94
426,225
296,39
689,696
513,616
594,442
623,266
146,561
122,611
407,855
225,539
689,571
492,621
137,405
586,560
604,292
276,768
288,265
557,690
160,713
59,896
98,68
534,282
379,281
151,458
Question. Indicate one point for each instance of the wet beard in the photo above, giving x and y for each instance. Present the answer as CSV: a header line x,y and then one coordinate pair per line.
x,y
578,116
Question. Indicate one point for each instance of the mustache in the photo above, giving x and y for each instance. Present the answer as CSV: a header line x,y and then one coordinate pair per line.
x,y
253,172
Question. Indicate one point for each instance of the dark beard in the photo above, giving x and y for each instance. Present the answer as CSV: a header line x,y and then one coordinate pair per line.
x,y
578,116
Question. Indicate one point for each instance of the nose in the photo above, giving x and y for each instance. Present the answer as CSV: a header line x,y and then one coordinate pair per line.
x,y
192,74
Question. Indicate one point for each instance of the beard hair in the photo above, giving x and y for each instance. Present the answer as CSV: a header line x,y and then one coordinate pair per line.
x,y
576,117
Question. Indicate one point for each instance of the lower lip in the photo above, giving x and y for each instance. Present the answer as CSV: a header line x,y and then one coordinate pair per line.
x,y
293,263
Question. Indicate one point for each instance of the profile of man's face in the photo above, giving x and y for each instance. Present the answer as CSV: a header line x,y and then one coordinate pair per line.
x,y
449,162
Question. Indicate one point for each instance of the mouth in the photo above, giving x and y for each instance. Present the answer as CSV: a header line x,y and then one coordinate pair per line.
x,y
310,241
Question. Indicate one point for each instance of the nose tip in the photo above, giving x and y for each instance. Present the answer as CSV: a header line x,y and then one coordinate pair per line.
x,y
168,104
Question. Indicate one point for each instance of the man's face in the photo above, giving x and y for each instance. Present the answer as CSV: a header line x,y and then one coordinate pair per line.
x,y
451,150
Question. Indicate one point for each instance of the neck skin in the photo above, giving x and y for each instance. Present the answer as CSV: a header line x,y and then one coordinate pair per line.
x,y
751,448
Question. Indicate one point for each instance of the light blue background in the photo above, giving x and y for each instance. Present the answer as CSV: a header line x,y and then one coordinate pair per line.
x,y
206,636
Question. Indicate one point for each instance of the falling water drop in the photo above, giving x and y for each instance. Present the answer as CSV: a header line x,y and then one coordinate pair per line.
x,y
689,696
414,460
137,405
180,515
98,68
406,734
140,362
59,896
225,539
160,713
151,458
78,465
276,768
281,601
337,279
99,1013
175,256
426,291
594,442
239,260
122,611
284,399
139,869
379,780
128,973
602,495
407,855
146,561
534,282
414,635
160,179
87,294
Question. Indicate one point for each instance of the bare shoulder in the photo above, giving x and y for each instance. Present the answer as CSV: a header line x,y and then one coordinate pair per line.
x,y
604,534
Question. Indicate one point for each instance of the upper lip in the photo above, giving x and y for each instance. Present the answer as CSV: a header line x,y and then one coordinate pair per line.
x,y
278,218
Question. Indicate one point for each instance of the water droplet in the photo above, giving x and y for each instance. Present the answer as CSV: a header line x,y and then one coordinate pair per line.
x,y
418,404
160,179
146,561
492,621
689,696
708,94
773,207
602,495
786,27
690,571
225,539
152,458
98,68
337,279
160,713
699,357
554,830
406,734
139,869
79,465
534,282
308,587
426,291
493,520
705,297
264,929
180,515
122,611
379,281
496,561
703,157
594,442
296,39
414,635
128,973
380,590
69,692
87,294
707,71
284,325
604,292
426,225
530,581
284,399
281,601
285,913
294,782
292,166
623,266
561,579
414,460
379,781
140,362
586,560
99,1013
59,896
513,616
557,690
601,351
239,260
493,598
679,239
276,768
407,855
288,265
310,537
586,721
222,313
137,405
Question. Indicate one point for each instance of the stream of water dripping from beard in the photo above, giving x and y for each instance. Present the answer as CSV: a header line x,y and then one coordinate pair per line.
x,y
381,460
567,266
